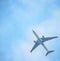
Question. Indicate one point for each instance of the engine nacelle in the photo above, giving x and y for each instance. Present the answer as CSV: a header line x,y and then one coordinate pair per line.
x,y
34,41
43,37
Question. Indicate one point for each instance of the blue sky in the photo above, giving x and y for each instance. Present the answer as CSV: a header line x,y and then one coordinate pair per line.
x,y
18,18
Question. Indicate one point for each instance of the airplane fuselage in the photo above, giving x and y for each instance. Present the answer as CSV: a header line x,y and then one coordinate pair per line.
x,y
41,41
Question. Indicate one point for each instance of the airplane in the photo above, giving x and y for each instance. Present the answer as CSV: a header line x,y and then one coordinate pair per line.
x,y
41,41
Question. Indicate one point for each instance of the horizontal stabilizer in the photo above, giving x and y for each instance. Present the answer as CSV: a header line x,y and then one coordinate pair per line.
x,y
49,52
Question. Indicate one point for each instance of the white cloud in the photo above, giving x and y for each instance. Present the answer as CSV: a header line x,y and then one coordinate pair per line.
x,y
49,27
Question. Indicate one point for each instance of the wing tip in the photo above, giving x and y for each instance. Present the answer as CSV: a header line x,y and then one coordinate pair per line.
x,y
30,51
32,30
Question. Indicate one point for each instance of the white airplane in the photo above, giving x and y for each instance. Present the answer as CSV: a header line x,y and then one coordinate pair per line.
x,y
41,41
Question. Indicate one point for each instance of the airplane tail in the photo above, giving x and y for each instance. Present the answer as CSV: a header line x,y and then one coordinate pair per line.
x,y
49,52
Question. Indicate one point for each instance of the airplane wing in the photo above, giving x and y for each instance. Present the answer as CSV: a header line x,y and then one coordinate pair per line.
x,y
48,38
43,39
35,46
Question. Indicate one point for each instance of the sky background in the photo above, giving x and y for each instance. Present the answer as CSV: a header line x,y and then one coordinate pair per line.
x,y
18,18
